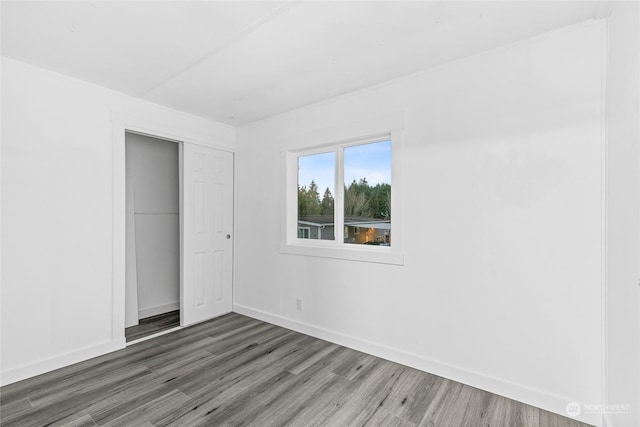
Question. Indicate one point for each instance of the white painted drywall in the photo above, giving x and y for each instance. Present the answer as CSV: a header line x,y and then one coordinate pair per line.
x,y
502,282
623,216
57,215
152,169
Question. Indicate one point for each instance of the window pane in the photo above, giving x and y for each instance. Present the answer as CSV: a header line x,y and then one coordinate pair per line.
x,y
367,194
316,185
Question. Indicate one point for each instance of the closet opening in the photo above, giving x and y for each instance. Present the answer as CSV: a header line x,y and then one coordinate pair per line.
x,y
152,264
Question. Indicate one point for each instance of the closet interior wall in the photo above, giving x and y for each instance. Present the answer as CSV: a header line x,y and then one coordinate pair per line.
x,y
153,227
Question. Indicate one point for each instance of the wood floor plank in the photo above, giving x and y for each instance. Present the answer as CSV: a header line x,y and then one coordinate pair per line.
x,y
75,420
233,341
16,407
130,399
452,413
251,337
238,371
322,406
352,366
63,404
253,404
158,407
169,356
227,324
235,373
525,415
218,409
84,421
19,390
87,384
249,403
410,399
234,369
370,395
476,412
499,411
445,399
313,358
382,419
175,362
280,409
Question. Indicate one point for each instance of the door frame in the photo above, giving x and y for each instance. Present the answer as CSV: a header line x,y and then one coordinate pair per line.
x,y
121,123
180,213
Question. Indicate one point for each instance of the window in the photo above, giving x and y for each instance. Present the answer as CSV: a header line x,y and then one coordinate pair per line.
x,y
304,232
367,193
316,187
365,200
340,199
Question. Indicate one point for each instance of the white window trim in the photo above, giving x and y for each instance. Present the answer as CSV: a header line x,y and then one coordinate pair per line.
x,y
391,127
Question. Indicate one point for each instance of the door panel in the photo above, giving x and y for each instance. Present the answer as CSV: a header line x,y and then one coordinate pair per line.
x,y
207,228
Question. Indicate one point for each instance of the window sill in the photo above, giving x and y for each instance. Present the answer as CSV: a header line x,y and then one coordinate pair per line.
x,y
379,255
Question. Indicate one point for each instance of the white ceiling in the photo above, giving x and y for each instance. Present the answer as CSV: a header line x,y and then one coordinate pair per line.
x,y
237,61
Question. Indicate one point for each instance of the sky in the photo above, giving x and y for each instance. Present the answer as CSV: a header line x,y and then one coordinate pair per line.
x,y
370,161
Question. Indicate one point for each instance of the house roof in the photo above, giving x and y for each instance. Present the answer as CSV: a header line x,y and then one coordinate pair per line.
x,y
366,222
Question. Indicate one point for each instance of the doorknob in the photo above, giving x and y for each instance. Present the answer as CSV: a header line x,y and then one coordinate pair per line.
x,y
228,236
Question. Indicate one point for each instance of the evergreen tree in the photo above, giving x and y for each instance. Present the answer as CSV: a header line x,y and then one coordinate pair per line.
x,y
308,200
380,201
326,205
360,200
355,200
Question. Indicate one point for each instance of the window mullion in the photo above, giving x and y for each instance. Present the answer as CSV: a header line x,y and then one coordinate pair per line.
x,y
338,203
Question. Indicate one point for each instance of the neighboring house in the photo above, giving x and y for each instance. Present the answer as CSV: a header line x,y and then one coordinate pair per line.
x,y
316,227
370,231
359,230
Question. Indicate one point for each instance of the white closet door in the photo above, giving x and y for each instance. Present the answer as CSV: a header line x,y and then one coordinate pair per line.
x,y
207,233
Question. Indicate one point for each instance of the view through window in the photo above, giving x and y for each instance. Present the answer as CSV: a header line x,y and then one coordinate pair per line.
x,y
366,197
367,194
316,186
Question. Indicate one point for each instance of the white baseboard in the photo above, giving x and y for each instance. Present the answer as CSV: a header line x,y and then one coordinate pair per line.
x,y
606,421
521,393
620,420
32,369
159,309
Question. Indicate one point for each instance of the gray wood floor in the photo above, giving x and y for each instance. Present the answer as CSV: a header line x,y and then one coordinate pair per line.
x,y
151,325
235,371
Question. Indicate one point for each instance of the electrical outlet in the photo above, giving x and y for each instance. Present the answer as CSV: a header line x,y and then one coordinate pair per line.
x,y
299,304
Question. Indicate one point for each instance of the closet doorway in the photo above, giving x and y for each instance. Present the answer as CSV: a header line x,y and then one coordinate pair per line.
x,y
153,258
173,222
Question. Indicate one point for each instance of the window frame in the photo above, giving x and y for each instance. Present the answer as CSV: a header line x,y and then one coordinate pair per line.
x,y
337,249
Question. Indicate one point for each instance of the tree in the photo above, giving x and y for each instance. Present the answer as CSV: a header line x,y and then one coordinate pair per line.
x,y
326,205
380,201
355,199
360,200
308,200
314,196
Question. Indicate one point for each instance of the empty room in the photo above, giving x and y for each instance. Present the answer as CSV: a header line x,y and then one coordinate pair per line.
x,y
320,213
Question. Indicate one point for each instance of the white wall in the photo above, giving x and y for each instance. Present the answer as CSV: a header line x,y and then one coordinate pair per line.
x,y
623,216
152,171
502,282
57,215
